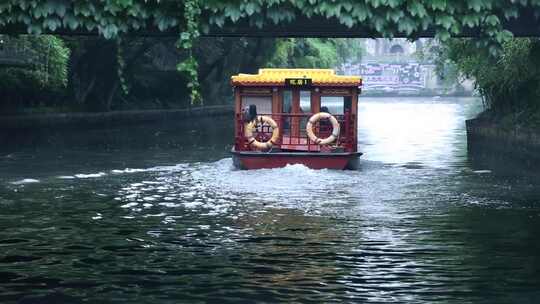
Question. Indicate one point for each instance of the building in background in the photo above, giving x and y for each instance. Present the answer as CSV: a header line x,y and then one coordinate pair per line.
x,y
393,66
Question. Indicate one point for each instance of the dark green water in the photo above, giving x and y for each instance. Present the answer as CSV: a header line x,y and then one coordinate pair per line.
x,y
156,214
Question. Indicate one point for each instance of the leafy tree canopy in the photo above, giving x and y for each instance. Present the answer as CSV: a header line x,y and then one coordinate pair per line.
x,y
508,82
43,58
314,52
32,70
386,17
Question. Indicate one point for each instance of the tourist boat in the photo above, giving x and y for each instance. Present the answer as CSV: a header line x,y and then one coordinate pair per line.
x,y
296,116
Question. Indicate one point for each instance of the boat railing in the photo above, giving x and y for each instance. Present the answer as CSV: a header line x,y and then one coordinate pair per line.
x,y
293,134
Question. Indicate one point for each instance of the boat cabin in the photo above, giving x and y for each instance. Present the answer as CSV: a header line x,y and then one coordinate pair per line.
x,y
291,115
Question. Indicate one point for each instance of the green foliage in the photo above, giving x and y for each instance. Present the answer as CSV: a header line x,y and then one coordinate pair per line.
x,y
314,52
190,66
44,59
33,70
434,52
303,53
121,67
349,50
509,82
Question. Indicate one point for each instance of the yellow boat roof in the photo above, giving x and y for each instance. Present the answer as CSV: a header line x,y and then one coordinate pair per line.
x,y
276,77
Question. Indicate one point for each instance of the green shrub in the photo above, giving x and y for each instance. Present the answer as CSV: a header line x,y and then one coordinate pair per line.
x,y
33,70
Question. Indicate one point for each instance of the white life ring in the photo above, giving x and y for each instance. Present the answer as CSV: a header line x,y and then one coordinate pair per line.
x,y
251,126
314,119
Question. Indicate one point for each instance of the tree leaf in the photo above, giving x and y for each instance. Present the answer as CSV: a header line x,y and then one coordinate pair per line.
x,y
417,9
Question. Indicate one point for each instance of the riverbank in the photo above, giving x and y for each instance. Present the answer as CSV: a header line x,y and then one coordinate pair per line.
x,y
107,119
517,143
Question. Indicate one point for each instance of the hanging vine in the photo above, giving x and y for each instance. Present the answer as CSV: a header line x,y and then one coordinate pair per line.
x,y
120,58
189,66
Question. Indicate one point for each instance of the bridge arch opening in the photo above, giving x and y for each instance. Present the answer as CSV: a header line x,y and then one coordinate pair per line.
x,y
396,49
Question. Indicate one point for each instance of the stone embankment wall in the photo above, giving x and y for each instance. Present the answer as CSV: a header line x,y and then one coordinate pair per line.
x,y
106,119
523,143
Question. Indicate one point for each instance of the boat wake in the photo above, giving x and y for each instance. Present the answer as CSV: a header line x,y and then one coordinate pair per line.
x,y
216,188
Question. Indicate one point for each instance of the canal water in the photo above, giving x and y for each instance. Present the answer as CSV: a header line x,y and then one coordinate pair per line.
x,y
156,214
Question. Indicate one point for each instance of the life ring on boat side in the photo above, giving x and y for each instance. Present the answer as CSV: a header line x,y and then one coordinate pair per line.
x,y
252,125
314,119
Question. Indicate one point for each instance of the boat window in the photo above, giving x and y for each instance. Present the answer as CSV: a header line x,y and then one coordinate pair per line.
x,y
336,104
263,103
287,101
347,103
286,108
305,108
305,101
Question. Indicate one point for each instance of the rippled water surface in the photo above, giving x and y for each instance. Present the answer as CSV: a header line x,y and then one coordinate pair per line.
x,y
156,214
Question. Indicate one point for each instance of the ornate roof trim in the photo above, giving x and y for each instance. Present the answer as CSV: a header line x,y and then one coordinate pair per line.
x,y
276,77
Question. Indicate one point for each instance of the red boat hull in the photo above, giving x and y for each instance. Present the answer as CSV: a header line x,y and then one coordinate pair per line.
x,y
314,160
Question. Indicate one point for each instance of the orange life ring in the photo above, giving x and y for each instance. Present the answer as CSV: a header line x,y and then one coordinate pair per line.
x,y
314,119
251,126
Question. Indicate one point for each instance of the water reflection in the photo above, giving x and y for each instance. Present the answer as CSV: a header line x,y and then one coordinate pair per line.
x,y
424,131
415,224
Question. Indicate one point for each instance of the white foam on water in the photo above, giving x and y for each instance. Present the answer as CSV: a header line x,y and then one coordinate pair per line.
x,y
155,215
482,171
293,182
129,205
218,189
188,194
192,204
177,167
90,175
25,181
128,170
169,205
